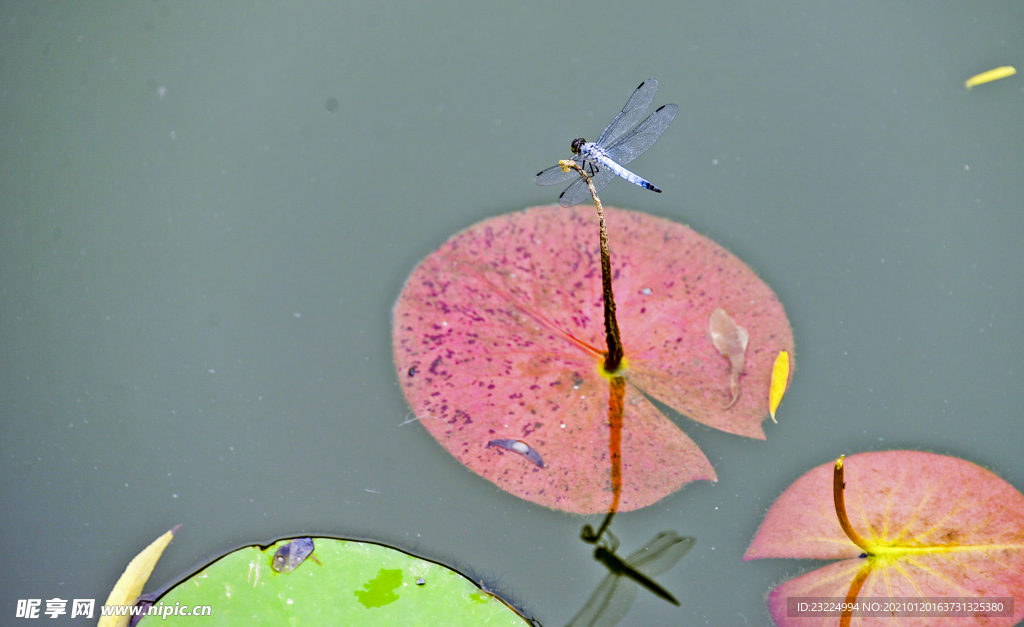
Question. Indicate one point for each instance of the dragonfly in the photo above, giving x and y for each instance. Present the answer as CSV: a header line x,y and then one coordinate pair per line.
x,y
616,593
603,160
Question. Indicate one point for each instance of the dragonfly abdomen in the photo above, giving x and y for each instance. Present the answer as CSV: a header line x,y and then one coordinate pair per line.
x,y
596,154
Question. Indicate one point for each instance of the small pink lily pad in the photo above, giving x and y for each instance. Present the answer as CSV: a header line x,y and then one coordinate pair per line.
x,y
499,334
940,527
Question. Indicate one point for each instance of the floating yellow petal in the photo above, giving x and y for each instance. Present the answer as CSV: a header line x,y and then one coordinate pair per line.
x,y
780,378
129,586
991,75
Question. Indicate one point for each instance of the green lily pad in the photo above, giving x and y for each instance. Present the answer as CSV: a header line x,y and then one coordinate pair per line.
x,y
355,583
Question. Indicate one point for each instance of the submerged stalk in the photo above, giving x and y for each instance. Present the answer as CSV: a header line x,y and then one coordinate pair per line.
x,y
616,409
852,593
617,394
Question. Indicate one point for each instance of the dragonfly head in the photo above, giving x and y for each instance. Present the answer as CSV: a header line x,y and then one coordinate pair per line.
x,y
576,145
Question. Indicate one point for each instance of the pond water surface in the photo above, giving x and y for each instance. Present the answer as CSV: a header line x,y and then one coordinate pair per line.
x,y
208,210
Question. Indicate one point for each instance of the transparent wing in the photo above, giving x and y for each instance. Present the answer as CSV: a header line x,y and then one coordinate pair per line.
x,y
554,174
608,605
636,143
660,554
635,108
579,192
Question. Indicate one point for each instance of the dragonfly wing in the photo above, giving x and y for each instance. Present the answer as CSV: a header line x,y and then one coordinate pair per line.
x,y
661,553
609,603
574,194
635,108
554,174
579,192
643,136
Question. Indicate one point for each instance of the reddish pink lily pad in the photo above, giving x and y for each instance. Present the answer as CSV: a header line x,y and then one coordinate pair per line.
x,y
499,334
937,526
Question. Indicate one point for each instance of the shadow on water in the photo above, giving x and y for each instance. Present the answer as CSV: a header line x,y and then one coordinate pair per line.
x,y
615,594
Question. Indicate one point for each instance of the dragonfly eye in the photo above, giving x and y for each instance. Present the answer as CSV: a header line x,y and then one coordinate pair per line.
x,y
576,145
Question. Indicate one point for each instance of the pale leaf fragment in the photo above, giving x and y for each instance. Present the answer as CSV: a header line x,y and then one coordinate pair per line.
x,y
731,340
129,586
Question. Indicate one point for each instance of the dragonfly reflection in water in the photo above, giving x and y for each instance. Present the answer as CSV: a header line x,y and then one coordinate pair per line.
x,y
603,160
616,593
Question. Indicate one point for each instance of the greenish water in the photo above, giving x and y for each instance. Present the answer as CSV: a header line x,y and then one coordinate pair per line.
x,y
207,212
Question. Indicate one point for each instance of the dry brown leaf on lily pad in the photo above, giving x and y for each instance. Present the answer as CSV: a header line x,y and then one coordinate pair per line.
x,y
731,340
498,336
